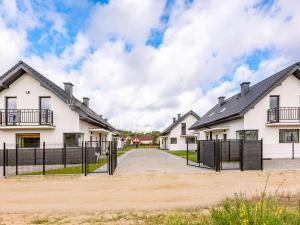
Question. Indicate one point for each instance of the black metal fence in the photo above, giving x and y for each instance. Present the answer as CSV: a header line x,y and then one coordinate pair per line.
x,y
88,158
227,155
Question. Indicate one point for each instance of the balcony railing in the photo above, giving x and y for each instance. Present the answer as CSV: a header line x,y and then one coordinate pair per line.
x,y
26,117
284,115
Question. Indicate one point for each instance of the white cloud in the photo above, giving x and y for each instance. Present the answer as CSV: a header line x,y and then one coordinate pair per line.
x,y
144,89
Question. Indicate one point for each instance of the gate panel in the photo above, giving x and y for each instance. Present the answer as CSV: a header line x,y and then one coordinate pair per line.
x,y
252,155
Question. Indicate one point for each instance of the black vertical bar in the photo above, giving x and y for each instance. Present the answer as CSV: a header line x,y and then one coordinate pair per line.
x,y
34,156
4,159
241,155
85,161
109,159
16,159
229,149
262,158
44,159
65,155
187,153
82,160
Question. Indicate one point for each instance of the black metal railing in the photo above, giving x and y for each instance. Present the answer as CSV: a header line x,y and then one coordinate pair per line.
x,y
283,114
25,117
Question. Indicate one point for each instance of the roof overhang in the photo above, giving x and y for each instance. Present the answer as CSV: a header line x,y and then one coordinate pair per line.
x,y
216,129
99,130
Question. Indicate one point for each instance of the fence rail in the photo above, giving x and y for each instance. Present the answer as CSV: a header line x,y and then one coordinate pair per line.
x,y
89,157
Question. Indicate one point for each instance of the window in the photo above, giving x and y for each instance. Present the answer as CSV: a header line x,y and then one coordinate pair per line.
x,y
224,137
28,140
45,106
73,139
274,101
11,110
289,136
190,140
183,129
247,135
173,140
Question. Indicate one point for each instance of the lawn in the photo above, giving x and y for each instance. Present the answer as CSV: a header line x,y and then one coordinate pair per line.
x,y
182,154
91,167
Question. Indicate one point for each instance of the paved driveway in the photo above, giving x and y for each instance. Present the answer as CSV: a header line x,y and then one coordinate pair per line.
x,y
140,161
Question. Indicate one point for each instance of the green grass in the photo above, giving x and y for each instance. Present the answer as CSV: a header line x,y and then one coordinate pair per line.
x,y
70,170
263,210
182,154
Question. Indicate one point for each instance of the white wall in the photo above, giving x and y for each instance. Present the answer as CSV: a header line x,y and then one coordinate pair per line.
x,y
181,140
65,120
233,126
256,118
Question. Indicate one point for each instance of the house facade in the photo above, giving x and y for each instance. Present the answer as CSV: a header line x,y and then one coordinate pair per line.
x,y
177,135
35,110
268,110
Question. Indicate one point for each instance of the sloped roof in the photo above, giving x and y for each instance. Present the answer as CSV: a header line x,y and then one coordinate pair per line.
x,y
237,105
178,121
85,112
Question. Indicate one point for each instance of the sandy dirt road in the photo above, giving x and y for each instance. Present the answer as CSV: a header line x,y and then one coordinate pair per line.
x,y
148,191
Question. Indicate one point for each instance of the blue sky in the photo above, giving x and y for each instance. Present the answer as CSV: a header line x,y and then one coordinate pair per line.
x,y
150,59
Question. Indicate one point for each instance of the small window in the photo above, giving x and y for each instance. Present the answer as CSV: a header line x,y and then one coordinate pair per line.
x,y
274,101
73,139
183,129
28,140
289,136
190,140
173,140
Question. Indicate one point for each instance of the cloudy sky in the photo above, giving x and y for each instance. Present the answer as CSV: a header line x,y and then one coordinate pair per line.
x,y
143,61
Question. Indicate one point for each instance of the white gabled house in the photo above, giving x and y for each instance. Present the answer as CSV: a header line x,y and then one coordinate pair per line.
x,y
34,110
268,110
176,136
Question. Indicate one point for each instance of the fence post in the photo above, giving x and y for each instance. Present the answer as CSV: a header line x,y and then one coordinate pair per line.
x,y
293,150
85,160
109,159
241,154
4,159
65,155
198,152
82,160
17,159
262,157
44,159
229,150
34,156
187,153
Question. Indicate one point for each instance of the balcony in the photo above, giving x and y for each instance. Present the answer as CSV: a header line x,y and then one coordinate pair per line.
x,y
28,118
284,115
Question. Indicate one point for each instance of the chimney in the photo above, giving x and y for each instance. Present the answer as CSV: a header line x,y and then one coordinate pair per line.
x,y
106,120
221,100
178,116
86,101
245,88
174,119
69,89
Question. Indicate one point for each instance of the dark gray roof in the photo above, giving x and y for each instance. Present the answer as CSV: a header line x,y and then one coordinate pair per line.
x,y
85,113
178,121
237,105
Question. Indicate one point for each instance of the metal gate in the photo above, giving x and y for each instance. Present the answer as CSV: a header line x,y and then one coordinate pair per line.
x,y
233,154
100,157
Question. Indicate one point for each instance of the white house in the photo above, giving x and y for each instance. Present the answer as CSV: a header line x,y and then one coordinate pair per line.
x,y
268,110
34,110
177,134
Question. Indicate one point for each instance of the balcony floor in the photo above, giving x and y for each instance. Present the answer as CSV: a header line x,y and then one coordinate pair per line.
x,y
27,127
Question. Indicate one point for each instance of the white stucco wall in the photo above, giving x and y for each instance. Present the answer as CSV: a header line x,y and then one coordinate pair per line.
x,y
256,118
176,133
28,90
